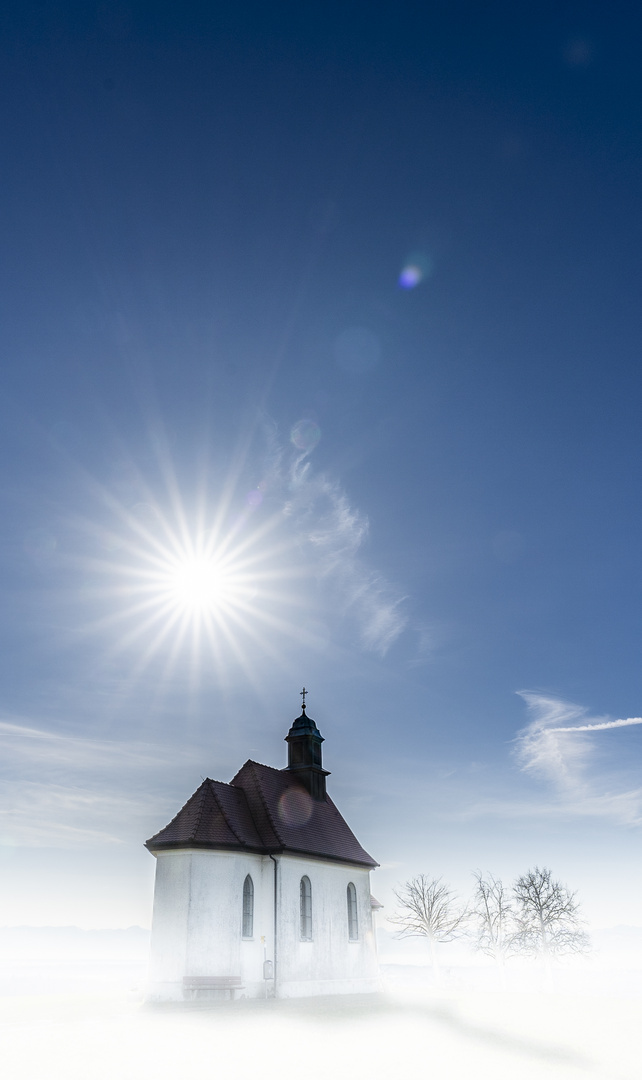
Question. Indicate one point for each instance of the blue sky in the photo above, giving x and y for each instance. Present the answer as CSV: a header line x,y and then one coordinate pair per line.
x,y
343,305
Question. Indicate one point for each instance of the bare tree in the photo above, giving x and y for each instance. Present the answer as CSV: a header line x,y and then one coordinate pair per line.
x,y
548,917
494,917
429,909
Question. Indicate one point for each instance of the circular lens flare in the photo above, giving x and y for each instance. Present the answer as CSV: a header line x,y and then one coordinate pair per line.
x,y
416,268
295,807
305,435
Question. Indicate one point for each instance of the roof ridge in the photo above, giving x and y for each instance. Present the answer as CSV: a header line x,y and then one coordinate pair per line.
x,y
251,761
265,805
199,814
221,808
216,820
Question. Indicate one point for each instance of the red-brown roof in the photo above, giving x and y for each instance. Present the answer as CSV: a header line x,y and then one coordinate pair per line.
x,y
262,810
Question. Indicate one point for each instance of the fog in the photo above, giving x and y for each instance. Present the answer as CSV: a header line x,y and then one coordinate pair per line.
x,y
72,1005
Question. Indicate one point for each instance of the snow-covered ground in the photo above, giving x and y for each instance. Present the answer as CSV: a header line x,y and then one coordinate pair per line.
x,y
76,1017
405,1032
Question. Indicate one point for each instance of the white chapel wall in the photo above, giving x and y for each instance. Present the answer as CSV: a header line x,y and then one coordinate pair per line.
x,y
198,922
330,963
198,919
168,955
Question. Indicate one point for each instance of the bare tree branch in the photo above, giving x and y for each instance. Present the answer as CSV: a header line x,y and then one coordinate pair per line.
x,y
548,916
494,916
429,910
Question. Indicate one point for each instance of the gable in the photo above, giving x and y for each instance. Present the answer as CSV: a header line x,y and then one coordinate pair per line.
x,y
262,810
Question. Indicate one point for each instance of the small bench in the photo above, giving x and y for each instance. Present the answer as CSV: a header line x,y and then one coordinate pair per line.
x,y
209,986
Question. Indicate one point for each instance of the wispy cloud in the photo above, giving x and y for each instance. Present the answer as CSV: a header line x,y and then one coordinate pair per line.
x,y
20,740
558,745
624,808
333,532
430,638
604,726
44,814
63,790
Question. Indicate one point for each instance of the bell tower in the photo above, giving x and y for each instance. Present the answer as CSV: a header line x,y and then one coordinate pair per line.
x,y
304,753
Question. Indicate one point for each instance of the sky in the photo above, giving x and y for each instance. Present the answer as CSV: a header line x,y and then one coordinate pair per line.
x,y
320,348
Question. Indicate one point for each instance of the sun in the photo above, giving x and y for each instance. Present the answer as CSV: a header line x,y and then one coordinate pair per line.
x,y
200,584
194,581
195,592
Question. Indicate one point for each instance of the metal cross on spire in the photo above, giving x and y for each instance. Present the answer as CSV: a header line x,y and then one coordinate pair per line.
x,y
303,694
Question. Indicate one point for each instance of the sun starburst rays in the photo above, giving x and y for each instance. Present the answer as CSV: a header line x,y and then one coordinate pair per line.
x,y
194,596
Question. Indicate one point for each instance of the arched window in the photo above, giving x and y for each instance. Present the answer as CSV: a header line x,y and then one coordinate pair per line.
x,y
248,907
353,924
306,909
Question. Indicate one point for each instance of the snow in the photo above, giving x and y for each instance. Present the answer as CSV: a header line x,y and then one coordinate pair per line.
x,y
451,1033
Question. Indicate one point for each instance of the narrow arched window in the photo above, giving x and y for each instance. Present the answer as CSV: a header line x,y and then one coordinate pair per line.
x,y
353,923
248,907
306,909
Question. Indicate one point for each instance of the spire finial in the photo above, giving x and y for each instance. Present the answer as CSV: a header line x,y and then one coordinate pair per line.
x,y
303,694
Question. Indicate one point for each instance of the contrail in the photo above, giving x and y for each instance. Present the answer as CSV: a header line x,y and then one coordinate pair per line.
x,y
601,727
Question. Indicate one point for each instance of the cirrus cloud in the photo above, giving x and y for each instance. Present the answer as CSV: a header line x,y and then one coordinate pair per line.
x,y
559,746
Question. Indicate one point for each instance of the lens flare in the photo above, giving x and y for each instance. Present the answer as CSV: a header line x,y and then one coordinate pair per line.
x,y
416,267
305,435
410,276
295,807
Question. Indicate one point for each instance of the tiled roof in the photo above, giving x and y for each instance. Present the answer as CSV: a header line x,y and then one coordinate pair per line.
x,y
262,810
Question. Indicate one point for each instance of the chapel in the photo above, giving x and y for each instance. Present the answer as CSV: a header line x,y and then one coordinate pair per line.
x,y
262,889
